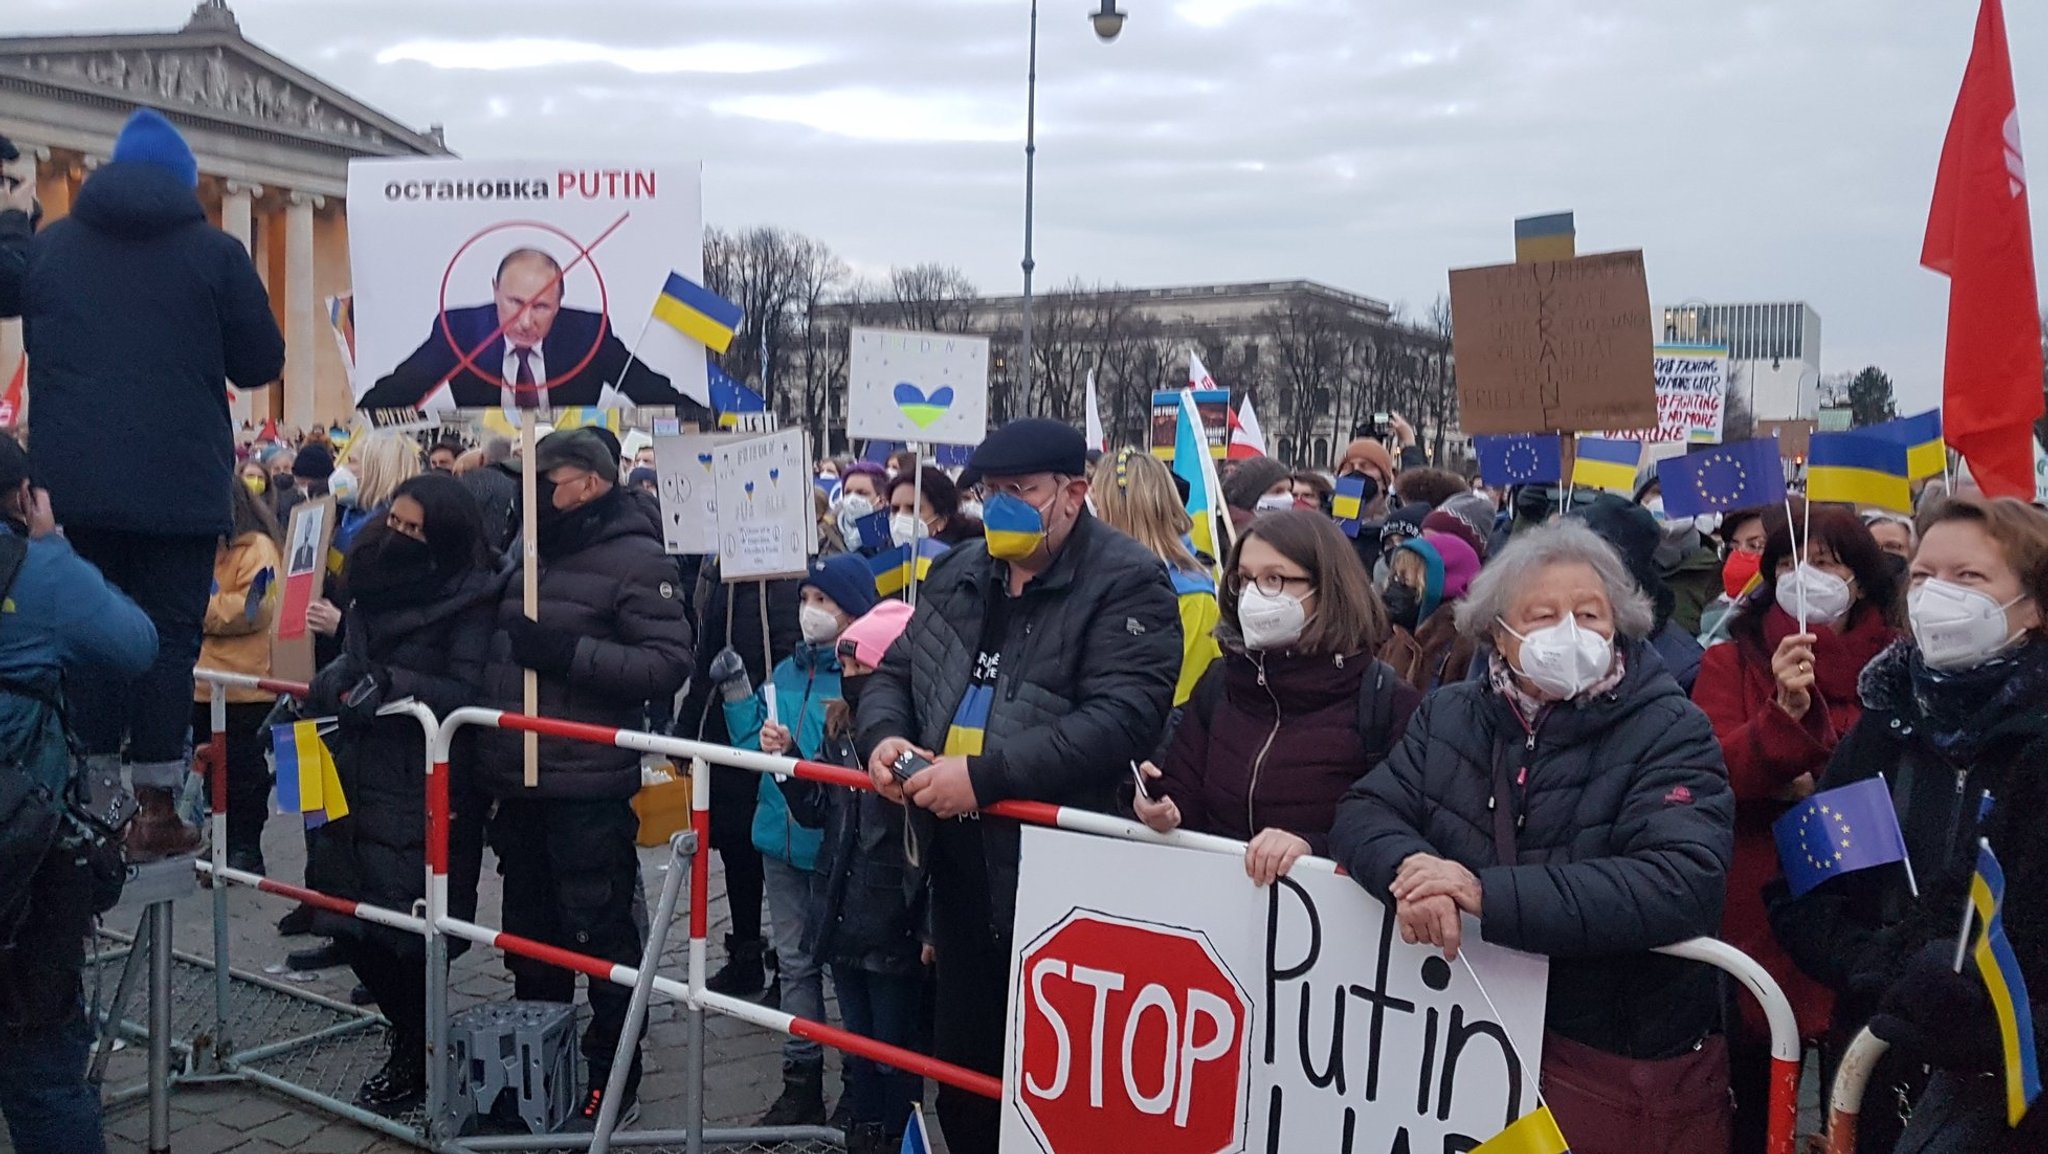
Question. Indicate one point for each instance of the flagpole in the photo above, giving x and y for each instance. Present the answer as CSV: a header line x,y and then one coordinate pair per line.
x,y
633,353
1535,1082
916,511
1963,936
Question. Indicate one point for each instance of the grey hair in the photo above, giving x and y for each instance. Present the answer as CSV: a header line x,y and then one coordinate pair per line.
x,y
1511,571
497,449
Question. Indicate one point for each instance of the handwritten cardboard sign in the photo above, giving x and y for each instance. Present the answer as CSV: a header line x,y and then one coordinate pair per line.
x,y
689,499
764,505
1184,1009
1556,345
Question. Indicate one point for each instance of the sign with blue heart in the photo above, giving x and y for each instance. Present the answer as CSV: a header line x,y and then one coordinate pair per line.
x,y
918,388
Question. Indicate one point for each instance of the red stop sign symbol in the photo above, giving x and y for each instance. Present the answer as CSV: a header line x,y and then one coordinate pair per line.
x,y
1131,1036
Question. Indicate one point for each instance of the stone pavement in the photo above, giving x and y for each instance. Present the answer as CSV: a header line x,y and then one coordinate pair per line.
x,y
743,1068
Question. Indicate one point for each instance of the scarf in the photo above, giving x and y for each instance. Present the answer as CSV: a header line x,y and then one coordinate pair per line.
x,y
1956,709
1531,707
390,570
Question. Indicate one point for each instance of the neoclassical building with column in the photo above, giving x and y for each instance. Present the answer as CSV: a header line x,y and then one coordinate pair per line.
x,y
273,144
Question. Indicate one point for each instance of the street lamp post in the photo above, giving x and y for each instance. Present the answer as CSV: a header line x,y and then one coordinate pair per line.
x,y
1108,21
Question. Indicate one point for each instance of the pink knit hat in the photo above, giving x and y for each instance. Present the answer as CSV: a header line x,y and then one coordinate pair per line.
x,y
870,637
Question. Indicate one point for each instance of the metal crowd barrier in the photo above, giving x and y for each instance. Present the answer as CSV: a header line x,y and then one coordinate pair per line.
x,y
436,926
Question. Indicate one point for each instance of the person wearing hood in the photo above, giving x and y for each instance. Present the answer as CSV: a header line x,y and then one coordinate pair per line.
x,y
1635,534
1529,506
1295,712
1954,723
612,635
1403,524
1572,804
134,311
422,598
1689,567
1781,698
1427,578
247,580
787,718
1258,485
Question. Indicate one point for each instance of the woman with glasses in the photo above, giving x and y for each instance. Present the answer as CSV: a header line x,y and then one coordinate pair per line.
x,y
422,597
1297,709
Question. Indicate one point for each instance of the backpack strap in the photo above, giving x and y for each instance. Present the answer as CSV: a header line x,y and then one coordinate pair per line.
x,y
1207,692
1376,711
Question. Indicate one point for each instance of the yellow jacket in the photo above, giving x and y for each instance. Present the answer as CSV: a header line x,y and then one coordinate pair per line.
x,y
246,578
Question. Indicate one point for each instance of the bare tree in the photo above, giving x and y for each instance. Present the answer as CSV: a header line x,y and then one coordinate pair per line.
x,y
933,298
1309,354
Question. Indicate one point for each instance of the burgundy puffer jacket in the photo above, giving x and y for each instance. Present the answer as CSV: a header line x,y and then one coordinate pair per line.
x,y
1280,748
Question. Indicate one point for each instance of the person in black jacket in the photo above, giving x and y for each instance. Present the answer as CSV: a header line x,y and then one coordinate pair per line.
x,y
1575,803
495,485
134,312
1955,722
611,637
1040,663
422,603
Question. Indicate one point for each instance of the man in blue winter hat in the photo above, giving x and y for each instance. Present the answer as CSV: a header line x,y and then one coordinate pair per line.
x,y
136,313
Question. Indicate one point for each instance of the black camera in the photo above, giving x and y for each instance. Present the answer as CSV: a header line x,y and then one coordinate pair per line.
x,y
908,764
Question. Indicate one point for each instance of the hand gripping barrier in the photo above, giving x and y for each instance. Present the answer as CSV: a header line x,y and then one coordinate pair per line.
x,y
437,925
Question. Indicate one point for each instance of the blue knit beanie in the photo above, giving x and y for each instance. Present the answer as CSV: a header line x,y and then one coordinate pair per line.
x,y
150,139
847,580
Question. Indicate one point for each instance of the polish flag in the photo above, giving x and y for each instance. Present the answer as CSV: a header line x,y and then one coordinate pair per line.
x,y
1246,438
1979,236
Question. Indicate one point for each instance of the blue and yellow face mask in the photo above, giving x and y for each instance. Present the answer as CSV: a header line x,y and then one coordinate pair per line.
x,y
1015,527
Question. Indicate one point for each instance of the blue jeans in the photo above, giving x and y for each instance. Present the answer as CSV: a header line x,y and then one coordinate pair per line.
x,y
802,979
883,1007
168,578
49,1108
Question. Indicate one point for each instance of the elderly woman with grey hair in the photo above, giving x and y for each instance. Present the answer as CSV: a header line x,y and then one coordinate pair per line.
x,y
1572,804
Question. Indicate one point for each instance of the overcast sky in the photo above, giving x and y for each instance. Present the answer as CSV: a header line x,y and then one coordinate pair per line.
x,y
1755,149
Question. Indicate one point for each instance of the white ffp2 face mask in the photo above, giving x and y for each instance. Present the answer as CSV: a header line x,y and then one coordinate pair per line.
x,y
1273,502
1565,659
1957,627
906,529
818,624
1828,597
1273,622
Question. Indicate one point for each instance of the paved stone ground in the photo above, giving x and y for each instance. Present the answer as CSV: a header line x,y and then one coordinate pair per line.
x,y
743,1065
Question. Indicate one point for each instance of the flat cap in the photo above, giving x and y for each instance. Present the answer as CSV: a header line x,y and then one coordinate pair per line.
x,y
581,448
1031,445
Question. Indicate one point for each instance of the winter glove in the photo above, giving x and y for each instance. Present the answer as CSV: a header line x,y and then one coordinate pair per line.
x,y
729,674
541,648
1934,1015
332,683
360,704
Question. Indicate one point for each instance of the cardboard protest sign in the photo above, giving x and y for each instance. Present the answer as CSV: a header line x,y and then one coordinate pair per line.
x,y
1692,397
1180,1008
764,506
306,537
516,284
1212,404
689,496
929,388
1554,346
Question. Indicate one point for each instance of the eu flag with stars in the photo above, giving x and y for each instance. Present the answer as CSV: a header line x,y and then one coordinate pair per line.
x,y
1520,459
1743,475
1837,832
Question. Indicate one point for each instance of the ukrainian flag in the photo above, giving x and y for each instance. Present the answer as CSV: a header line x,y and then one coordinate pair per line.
x,y
893,567
1926,456
698,313
1534,1133
970,722
1192,462
1855,469
1605,464
307,782
2000,970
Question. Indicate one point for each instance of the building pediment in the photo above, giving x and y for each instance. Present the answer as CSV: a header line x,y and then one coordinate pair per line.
x,y
209,72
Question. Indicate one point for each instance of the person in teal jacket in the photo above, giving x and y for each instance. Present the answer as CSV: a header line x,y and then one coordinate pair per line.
x,y
837,591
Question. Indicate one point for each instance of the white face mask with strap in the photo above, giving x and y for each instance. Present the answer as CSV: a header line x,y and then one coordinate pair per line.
x,y
1563,660
1268,622
1958,627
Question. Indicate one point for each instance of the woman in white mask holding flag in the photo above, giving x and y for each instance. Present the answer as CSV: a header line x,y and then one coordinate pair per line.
x,y
1575,804
1955,722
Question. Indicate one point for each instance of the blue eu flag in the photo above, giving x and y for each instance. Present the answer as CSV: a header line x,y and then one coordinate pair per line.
x,y
1743,475
1520,459
1837,832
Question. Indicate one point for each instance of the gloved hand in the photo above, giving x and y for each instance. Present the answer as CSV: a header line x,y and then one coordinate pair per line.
x,y
542,648
359,705
332,683
729,674
1934,1015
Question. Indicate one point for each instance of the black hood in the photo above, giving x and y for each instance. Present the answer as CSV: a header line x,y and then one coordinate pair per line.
x,y
136,199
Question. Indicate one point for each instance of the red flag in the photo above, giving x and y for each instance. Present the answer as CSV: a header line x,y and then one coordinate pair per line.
x,y
1979,237
269,430
15,396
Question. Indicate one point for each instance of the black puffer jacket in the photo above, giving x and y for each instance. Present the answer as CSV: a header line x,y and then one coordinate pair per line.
x,y
1089,660
866,910
432,648
1625,829
134,312
605,579
1855,932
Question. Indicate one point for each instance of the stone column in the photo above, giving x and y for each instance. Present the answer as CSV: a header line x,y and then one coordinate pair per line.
x,y
10,330
237,220
301,310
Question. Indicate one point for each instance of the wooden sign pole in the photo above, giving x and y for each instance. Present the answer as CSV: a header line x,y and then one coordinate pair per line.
x,y
529,532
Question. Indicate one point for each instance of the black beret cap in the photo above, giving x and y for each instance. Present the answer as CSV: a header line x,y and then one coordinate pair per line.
x,y
1032,445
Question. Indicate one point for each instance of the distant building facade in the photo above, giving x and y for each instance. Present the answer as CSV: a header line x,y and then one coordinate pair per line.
x,y
1773,351
273,144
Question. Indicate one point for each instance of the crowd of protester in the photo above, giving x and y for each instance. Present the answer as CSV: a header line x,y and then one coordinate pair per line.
x,y
1564,719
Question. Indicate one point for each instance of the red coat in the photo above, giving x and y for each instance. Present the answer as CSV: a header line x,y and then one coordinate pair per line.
x,y
1766,752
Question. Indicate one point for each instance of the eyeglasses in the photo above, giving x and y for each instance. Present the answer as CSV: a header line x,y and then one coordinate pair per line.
x,y
1271,584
